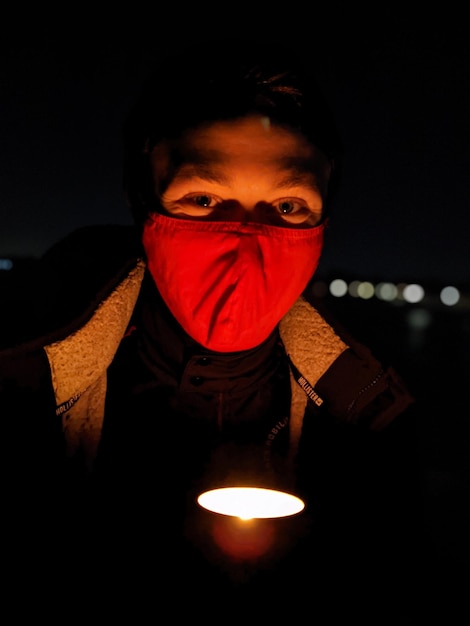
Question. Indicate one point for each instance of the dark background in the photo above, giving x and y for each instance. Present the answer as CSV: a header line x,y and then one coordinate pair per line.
x,y
397,77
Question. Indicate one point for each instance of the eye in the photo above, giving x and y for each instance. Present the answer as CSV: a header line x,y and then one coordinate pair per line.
x,y
285,207
199,204
290,206
202,200
296,211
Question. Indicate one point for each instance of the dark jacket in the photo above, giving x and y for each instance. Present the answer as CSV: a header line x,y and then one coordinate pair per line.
x,y
56,351
72,316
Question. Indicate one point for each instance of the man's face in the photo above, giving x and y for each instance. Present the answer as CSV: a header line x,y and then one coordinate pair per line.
x,y
242,170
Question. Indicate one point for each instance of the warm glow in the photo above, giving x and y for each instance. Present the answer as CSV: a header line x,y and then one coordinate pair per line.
x,y
251,502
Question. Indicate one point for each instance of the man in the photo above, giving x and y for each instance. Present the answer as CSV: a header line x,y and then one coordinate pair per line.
x,y
159,349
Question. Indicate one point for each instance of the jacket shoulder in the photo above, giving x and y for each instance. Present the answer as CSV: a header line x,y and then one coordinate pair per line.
x,y
335,371
68,282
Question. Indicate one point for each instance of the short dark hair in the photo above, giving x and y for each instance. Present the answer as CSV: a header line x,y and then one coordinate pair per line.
x,y
215,82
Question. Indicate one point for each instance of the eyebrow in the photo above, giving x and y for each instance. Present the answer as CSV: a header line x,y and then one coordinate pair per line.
x,y
298,171
203,164
205,171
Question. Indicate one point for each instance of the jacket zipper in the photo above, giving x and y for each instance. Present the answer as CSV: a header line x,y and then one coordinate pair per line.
x,y
371,384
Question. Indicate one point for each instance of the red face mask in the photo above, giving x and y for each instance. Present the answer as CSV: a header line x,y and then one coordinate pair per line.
x,y
229,283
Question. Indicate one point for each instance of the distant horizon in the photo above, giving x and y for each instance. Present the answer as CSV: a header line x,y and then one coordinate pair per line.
x,y
8,264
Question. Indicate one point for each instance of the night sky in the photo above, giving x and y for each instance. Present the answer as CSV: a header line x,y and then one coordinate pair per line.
x,y
397,81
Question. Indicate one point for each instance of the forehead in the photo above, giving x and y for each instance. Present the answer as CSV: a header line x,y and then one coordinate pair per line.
x,y
249,135
246,142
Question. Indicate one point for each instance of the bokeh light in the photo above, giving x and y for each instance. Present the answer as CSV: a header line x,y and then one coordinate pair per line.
x,y
449,295
338,287
413,293
386,291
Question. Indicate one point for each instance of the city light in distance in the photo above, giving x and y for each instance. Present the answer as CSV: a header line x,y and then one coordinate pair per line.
x,y
386,291
450,295
409,293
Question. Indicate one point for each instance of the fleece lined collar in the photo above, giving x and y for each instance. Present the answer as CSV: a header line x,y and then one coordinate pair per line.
x,y
79,362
